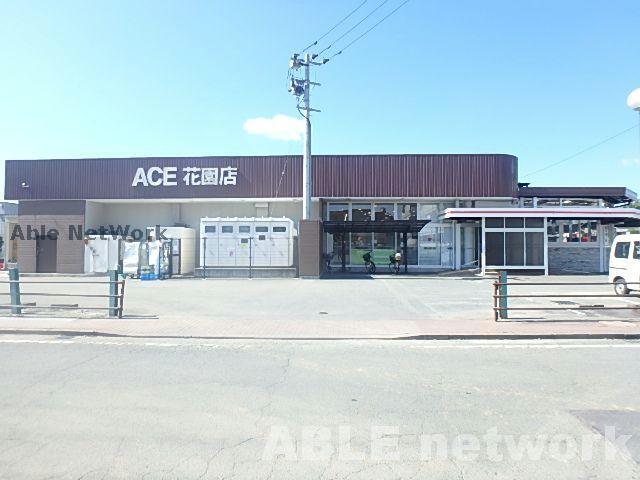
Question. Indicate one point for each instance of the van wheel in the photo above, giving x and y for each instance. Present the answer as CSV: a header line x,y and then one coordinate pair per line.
x,y
620,287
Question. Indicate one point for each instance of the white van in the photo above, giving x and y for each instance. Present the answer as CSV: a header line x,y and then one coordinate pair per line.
x,y
624,264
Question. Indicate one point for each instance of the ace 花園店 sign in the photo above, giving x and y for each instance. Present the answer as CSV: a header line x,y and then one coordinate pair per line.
x,y
189,176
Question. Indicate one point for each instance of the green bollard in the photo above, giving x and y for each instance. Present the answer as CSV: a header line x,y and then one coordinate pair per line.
x,y
14,291
504,304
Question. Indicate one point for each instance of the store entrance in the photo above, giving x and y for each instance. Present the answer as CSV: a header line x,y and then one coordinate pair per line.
x,y
46,254
469,245
366,232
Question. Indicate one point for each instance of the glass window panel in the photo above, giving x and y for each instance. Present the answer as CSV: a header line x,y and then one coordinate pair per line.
x,y
384,244
430,246
494,222
514,248
553,231
244,229
571,231
383,212
227,229
428,211
579,202
338,212
407,211
360,244
361,212
209,229
534,223
535,248
622,250
494,248
636,250
279,229
514,222
585,235
262,229
548,202
593,231
412,247
334,247
527,202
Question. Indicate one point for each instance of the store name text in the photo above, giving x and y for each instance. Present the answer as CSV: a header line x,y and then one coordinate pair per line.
x,y
190,176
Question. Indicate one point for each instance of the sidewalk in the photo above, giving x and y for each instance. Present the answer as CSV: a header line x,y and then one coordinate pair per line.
x,y
382,307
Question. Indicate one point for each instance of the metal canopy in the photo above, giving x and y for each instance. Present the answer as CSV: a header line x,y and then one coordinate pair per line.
x,y
376,226
404,227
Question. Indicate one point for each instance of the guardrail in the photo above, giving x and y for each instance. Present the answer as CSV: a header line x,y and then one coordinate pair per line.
x,y
115,295
501,296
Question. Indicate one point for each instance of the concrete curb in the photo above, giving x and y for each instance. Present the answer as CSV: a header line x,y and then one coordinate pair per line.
x,y
491,336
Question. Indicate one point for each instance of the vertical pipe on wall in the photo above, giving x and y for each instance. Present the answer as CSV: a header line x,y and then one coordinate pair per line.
x,y
483,247
546,248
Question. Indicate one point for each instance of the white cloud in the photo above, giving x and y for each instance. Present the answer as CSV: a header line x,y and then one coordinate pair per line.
x,y
630,162
278,127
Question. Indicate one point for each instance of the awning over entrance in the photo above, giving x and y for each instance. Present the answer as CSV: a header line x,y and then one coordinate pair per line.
x,y
628,217
403,227
384,226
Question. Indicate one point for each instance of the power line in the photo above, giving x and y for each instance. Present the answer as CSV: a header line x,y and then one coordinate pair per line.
x,y
354,27
362,35
588,149
334,27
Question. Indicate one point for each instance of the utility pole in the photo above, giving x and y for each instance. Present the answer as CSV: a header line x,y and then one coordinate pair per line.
x,y
301,88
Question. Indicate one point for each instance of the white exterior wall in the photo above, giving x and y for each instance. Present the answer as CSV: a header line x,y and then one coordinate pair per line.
x,y
140,215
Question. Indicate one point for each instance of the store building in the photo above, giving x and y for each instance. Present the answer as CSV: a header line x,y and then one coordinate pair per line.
x,y
478,215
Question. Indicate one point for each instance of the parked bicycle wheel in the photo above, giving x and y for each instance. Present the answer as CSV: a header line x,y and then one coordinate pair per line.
x,y
371,268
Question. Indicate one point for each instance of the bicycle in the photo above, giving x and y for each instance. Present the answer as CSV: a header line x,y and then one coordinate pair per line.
x,y
328,257
369,263
394,265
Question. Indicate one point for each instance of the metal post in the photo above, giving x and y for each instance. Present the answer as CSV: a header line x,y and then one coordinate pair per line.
x,y
307,172
496,292
179,256
113,293
250,242
121,297
204,257
504,312
404,252
170,257
344,252
14,290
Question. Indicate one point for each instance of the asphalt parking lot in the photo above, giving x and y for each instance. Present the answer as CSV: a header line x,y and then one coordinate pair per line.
x,y
359,299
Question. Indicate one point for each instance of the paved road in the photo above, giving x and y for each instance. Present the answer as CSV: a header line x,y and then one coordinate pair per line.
x,y
106,408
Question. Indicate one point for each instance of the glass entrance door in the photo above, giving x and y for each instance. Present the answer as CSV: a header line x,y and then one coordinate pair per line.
x,y
435,246
469,246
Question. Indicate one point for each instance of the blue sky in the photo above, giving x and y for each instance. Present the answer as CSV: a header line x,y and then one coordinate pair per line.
x,y
537,79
